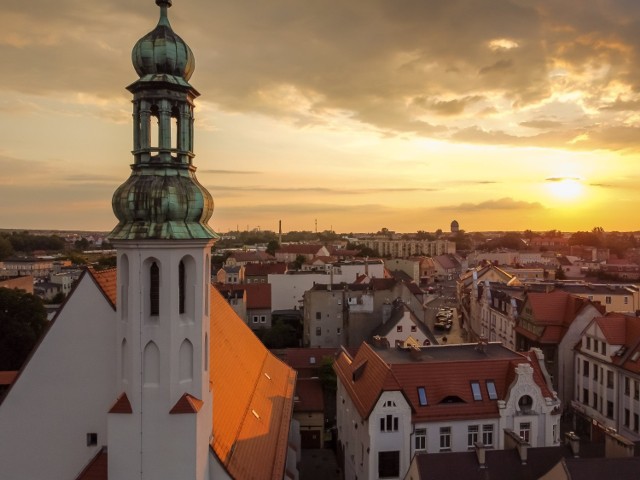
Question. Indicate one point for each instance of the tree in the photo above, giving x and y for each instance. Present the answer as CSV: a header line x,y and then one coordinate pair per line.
x,y
297,263
280,335
6,249
23,319
272,246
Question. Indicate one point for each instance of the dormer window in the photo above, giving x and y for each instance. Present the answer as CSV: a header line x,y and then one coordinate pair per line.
x,y
475,390
491,390
422,396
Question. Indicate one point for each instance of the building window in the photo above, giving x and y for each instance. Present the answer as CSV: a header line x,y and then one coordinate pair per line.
x,y
595,372
595,400
422,396
421,439
338,330
263,319
255,319
636,422
636,390
588,343
389,423
475,389
627,386
626,300
472,435
609,409
154,290
607,300
318,331
585,368
627,417
491,390
318,315
525,403
414,328
399,329
609,379
92,439
603,348
585,396
389,464
445,439
525,431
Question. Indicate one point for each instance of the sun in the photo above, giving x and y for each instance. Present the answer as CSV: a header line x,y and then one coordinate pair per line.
x,y
565,189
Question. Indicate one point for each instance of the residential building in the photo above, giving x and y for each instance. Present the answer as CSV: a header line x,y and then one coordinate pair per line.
x,y
544,320
289,252
231,275
447,266
409,248
607,382
21,266
244,257
395,402
259,272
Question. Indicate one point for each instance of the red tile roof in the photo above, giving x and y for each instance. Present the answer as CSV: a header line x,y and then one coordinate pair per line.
x,y
262,269
251,257
106,280
613,328
375,377
258,295
554,311
253,398
443,379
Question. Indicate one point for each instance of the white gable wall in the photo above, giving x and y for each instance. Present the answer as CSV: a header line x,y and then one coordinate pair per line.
x,y
65,390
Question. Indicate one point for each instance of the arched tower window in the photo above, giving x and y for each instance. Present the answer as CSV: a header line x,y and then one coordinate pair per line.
x,y
186,361
154,289
181,287
151,365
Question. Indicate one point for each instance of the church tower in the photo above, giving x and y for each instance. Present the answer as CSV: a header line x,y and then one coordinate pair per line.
x,y
160,427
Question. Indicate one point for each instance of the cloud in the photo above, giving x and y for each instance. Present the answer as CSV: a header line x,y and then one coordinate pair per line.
x,y
561,179
501,204
412,70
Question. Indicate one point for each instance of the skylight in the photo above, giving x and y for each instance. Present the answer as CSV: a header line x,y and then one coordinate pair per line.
x,y
491,390
475,389
422,396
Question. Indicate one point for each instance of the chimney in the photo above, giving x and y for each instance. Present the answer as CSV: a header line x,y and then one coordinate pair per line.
x,y
415,353
380,342
512,439
482,344
573,441
481,454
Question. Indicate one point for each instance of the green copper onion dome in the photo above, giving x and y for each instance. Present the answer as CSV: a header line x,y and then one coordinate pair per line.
x,y
162,51
162,203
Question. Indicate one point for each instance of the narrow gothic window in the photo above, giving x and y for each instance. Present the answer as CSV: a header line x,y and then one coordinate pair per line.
x,y
154,290
181,287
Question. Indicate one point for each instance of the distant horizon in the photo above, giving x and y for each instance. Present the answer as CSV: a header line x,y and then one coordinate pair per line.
x,y
354,115
444,232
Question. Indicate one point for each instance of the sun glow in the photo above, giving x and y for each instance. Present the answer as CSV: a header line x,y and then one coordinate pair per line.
x,y
565,188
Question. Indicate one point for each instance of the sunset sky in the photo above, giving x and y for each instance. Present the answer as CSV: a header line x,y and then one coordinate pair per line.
x,y
360,114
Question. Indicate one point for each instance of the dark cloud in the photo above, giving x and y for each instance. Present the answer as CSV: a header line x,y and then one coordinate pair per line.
x,y
410,67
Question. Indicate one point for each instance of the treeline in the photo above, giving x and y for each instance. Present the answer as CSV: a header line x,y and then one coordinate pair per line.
x,y
24,242
240,239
